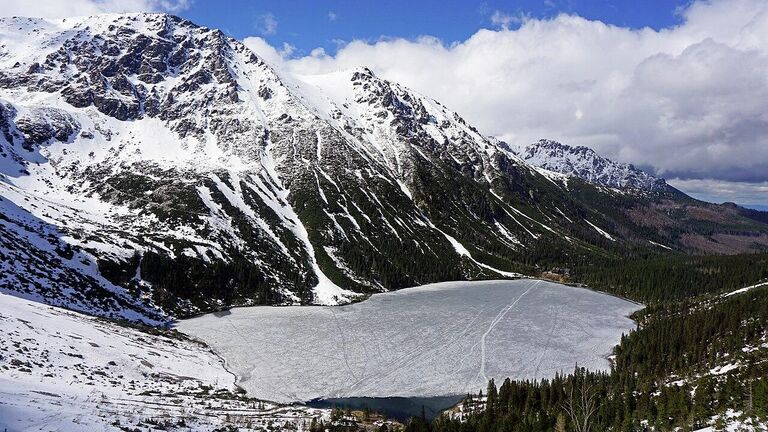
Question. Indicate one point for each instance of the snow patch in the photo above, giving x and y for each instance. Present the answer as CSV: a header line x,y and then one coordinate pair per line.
x,y
745,289
602,232
659,245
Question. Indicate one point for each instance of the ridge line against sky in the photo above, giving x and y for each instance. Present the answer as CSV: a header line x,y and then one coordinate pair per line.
x,y
677,88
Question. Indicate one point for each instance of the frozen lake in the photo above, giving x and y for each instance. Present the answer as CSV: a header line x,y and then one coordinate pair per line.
x,y
435,340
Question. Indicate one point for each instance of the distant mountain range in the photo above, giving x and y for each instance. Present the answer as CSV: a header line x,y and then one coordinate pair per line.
x,y
151,168
586,164
759,207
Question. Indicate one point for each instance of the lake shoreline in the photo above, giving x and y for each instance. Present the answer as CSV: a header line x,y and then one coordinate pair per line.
x,y
444,360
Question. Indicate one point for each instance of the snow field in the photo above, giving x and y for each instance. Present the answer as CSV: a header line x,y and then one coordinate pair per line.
x,y
64,371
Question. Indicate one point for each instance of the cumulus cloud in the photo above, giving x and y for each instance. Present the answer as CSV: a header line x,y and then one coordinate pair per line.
x,y
275,57
60,9
689,101
505,20
266,24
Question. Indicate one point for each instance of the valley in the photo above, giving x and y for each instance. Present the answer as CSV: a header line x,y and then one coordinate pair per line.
x,y
193,238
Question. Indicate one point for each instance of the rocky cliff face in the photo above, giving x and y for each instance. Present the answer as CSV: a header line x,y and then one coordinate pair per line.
x,y
152,168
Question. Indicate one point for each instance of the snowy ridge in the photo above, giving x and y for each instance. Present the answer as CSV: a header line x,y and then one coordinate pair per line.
x,y
586,164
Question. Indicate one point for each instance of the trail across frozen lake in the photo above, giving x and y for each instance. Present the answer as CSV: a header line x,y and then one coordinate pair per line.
x,y
434,340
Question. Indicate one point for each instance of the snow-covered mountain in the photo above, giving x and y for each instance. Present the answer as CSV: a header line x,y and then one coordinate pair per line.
x,y
147,142
586,164
152,168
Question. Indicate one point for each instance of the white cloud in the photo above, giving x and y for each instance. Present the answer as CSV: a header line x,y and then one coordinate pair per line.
x,y
689,101
505,20
270,54
67,8
264,50
318,52
721,191
266,24
332,16
287,50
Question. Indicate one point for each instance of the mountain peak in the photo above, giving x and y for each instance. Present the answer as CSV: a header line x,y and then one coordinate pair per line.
x,y
587,164
362,70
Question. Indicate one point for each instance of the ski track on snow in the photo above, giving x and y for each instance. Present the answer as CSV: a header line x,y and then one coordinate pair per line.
x,y
495,321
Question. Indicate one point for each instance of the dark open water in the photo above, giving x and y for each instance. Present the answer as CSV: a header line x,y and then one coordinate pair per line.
x,y
398,408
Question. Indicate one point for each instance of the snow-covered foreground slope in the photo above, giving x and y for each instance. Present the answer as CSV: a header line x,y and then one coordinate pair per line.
x,y
440,339
63,371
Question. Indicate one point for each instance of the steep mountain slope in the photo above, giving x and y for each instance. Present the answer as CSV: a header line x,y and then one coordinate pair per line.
x,y
152,168
153,121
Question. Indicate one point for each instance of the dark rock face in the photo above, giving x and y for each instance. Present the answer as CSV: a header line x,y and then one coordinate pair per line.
x,y
43,125
7,114
92,68
37,126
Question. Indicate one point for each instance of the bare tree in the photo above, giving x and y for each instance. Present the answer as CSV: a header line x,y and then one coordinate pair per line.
x,y
560,425
749,396
581,404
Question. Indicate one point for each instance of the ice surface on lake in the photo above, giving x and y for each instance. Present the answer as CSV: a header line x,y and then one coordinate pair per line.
x,y
439,339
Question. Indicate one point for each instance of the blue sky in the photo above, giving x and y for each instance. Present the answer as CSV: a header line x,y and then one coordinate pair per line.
x,y
310,24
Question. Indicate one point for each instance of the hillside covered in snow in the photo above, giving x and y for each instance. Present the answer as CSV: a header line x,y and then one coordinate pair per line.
x,y
64,371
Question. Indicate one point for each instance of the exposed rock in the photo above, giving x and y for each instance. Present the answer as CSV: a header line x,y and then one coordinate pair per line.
x,y
41,125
